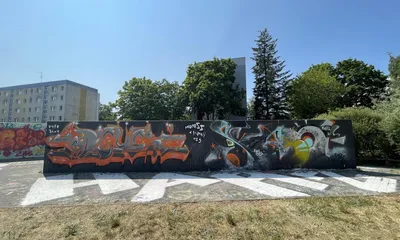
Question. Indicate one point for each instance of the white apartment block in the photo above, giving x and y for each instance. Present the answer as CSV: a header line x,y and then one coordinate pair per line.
x,y
62,100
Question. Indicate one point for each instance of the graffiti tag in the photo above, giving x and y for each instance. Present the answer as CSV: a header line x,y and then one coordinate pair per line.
x,y
7,125
37,126
24,153
197,131
53,129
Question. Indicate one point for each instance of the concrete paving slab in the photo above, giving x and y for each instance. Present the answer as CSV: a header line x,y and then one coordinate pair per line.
x,y
23,184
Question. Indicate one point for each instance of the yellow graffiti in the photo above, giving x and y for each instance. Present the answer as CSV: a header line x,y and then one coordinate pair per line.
x,y
301,149
38,150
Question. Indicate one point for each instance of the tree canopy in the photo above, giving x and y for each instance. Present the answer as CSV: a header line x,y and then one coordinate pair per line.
x,y
144,99
394,71
363,82
315,91
106,112
209,87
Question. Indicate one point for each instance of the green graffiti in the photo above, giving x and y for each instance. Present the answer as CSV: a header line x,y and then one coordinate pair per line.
x,y
7,125
37,126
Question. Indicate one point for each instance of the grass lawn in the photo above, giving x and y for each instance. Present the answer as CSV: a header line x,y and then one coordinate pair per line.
x,y
376,217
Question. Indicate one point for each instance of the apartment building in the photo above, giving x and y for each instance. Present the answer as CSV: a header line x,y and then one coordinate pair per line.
x,y
62,100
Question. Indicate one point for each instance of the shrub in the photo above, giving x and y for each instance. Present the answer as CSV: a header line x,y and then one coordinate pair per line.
x,y
370,137
390,110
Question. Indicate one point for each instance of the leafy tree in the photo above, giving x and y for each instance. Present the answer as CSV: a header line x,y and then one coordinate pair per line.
x,y
106,112
394,71
363,82
271,81
143,99
315,91
250,109
390,109
211,91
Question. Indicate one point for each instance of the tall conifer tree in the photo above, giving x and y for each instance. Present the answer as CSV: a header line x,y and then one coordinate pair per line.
x,y
271,81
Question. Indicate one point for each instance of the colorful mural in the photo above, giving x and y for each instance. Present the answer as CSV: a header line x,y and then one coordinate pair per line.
x,y
75,145
197,146
22,140
270,147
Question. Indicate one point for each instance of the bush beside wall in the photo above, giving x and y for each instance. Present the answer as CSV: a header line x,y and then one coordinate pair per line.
x,y
371,137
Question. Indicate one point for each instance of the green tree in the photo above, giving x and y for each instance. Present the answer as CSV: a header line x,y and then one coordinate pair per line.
x,y
363,82
271,81
315,91
211,92
143,99
390,108
394,71
250,109
106,112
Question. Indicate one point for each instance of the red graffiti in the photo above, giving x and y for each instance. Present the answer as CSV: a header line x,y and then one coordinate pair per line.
x,y
17,139
104,145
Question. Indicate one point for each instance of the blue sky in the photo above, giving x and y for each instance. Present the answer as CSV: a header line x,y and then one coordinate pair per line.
x,y
104,43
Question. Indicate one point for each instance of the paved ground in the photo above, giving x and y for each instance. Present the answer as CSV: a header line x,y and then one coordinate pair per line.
x,y
23,184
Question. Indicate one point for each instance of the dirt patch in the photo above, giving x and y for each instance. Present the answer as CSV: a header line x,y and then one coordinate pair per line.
x,y
375,217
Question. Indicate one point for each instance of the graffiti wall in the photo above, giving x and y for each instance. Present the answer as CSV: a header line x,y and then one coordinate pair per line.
x,y
198,146
22,140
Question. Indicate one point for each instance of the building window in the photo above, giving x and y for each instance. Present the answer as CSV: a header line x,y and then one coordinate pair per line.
x,y
15,119
53,108
19,92
60,118
36,119
4,111
38,99
62,97
1,93
2,120
30,100
62,88
18,101
60,108
38,90
26,91
25,100
22,119
5,102
29,119
54,98
31,90
30,109
6,94
52,118
18,110
38,109
54,89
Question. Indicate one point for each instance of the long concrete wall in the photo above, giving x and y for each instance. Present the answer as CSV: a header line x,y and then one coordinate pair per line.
x,y
198,145
22,140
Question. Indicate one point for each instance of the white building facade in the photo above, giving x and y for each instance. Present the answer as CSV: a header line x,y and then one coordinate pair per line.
x,y
62,100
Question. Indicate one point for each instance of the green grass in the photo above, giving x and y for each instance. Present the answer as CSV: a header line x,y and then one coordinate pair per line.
x,y
376,217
